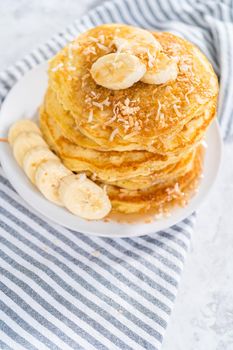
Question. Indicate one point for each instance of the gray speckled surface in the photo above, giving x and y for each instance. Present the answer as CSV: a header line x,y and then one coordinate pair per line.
x,y
203,313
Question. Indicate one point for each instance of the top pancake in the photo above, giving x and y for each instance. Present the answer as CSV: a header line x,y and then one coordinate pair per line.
x,y
137,117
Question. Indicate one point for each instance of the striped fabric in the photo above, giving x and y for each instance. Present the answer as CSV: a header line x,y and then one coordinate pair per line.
x,y
62,290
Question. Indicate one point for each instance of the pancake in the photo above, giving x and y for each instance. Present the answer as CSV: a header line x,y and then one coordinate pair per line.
x,y
170,145
142,144
133,118
158,199
107,166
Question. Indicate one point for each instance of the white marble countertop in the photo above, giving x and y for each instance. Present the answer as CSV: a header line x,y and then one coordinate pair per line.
x,y
203,313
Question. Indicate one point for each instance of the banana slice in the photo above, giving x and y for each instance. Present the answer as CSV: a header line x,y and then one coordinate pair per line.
x,y
24,142
117,70
137,41
23,125
47,178
84,198
163,70
34,158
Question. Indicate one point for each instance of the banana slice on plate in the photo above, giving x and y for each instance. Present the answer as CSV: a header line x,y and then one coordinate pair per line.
x,y
34,158
83,197
137,41
23,125
24,142
48,177
163,70
117,71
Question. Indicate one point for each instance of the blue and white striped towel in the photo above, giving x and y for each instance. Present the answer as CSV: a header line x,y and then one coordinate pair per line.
x,y
62,290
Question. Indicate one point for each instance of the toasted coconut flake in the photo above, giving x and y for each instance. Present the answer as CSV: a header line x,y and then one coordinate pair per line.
x,y
90,117
126,110
168,89
103,47
184,67
113,134
174,192
89,50
162,120
201,100
98,105
110,121
127,101
95,95
94,126
101,105
71,68
84,78
158,111
92,39
176,109
59,66
132,134
74,46
106,102
188,93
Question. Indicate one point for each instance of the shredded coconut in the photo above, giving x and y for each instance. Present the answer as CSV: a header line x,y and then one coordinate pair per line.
x,y
95,95
162,120
174,192
94,126
101,105
127,101
103,47
106,102
74,46
176,109
201,100
84,79
98,105
110,121
90,117
60,65
71,68
91,38
113,134
168,89
188,93
126,110
184,67
89,49
132,134
158,111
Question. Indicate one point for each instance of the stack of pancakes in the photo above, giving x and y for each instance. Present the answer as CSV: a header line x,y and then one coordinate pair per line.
x,y
143,143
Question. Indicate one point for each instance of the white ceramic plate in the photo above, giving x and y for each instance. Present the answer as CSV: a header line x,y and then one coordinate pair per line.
x,y
22,102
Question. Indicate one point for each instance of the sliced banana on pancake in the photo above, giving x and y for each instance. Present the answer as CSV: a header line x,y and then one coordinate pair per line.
x,y
117,71
23,125
163,70
34,158
24,142
48,177
84,198
137,41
